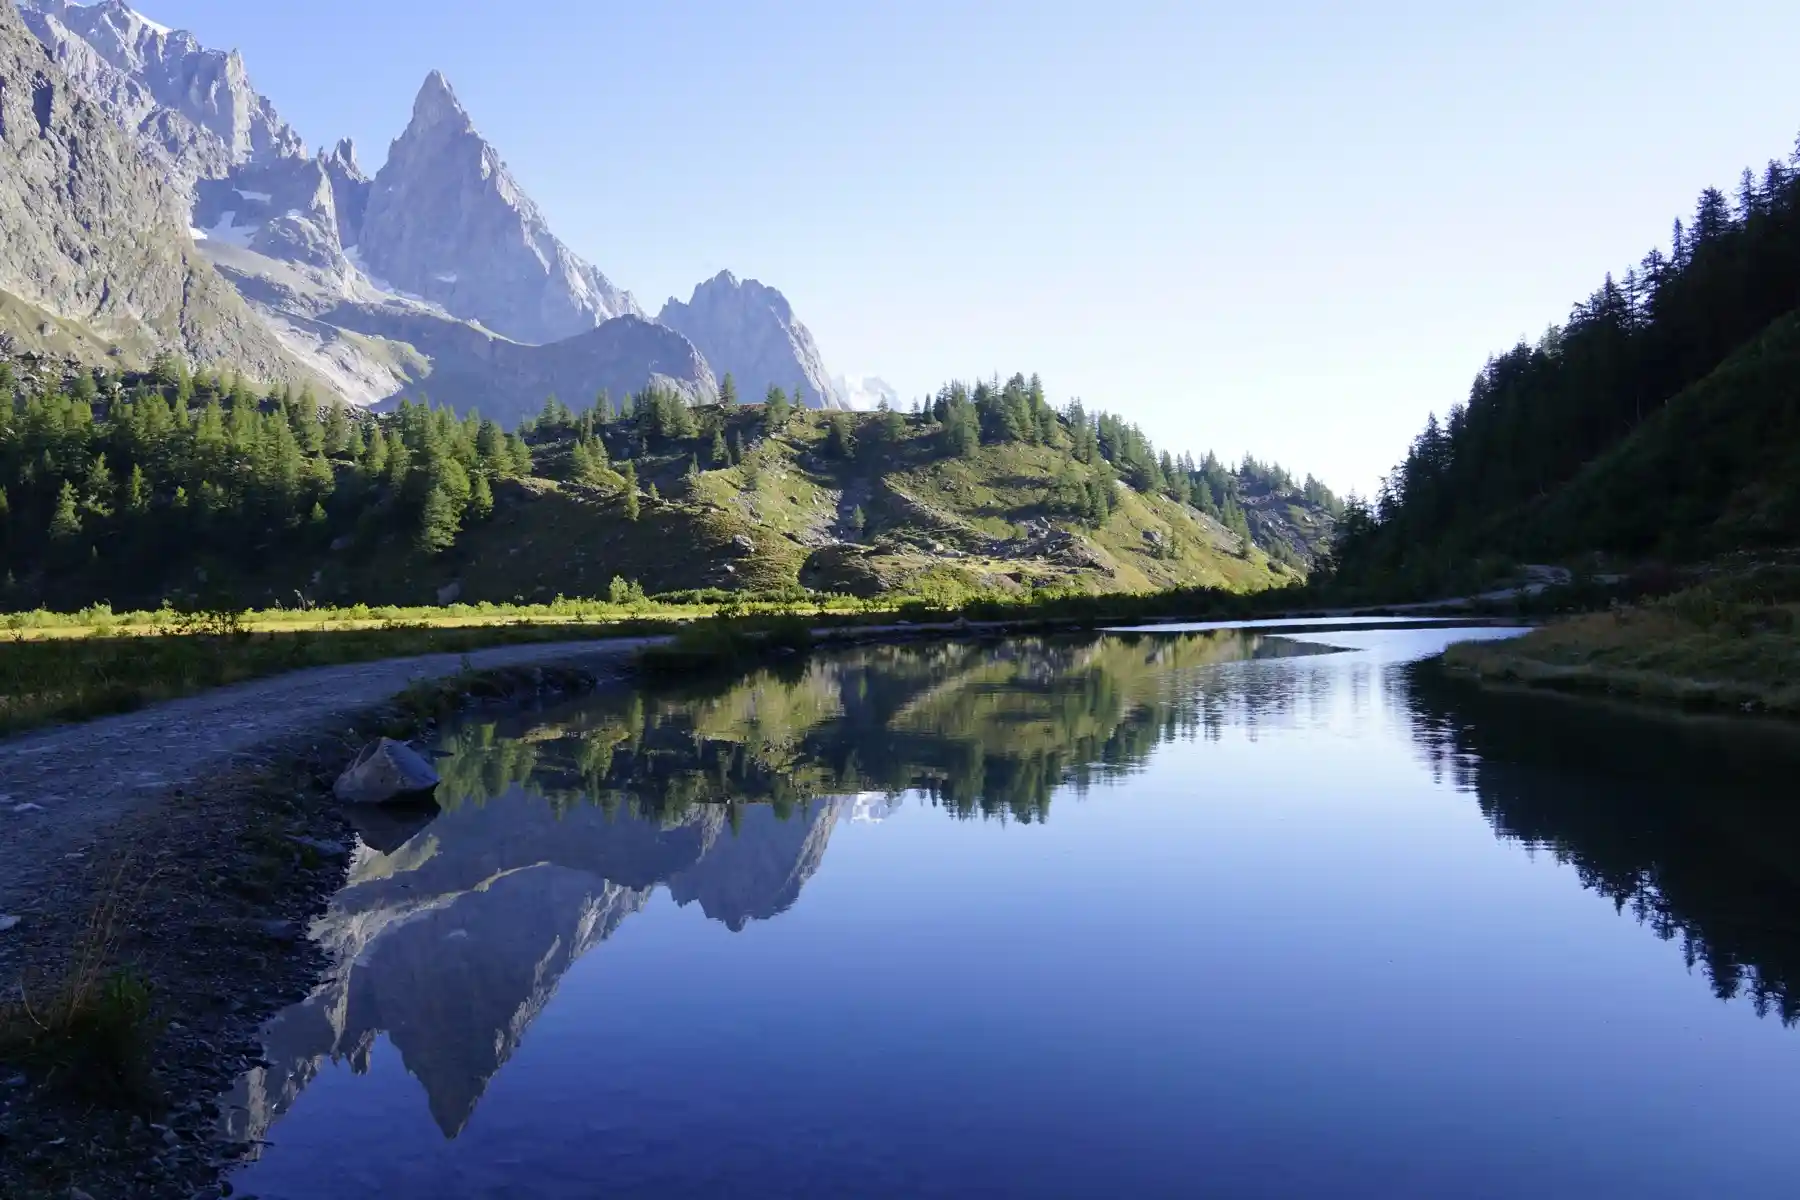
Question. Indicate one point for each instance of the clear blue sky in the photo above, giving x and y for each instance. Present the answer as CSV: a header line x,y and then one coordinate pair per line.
x,y
1287,228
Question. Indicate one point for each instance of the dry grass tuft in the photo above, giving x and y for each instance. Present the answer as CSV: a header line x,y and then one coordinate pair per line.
x,y
91,1028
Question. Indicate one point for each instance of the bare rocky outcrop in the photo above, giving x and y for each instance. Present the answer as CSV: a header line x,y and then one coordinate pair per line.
x,y
447,221
748,330
94,232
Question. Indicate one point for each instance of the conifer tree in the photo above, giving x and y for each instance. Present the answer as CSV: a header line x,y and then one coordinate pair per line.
x,y
481,499
65,524
775,409
337,429
728,394
632,507
439,521
137,492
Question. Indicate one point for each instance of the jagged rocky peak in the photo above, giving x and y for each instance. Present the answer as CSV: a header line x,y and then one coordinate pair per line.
x,y
197,102
748,330
447,221
349,189
437,105
342,158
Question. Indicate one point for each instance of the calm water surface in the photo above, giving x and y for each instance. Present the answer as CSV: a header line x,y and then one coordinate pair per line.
x,y
1174,914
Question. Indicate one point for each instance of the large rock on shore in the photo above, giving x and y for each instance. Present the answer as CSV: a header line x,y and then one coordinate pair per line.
x,y
386,772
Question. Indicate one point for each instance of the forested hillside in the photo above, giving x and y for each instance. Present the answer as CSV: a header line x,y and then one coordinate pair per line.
x,y
1662,419
133,489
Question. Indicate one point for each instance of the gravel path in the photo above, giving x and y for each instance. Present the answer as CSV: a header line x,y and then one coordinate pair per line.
x,y
61,789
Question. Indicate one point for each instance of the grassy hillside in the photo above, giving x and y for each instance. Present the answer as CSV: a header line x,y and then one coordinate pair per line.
x,y
786,516
136,488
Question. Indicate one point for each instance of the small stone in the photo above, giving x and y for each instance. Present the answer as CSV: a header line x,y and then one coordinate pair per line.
x,y
22,809
76,1193
8,923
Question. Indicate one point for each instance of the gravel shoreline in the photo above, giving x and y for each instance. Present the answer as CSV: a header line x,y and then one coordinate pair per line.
x,y
215,871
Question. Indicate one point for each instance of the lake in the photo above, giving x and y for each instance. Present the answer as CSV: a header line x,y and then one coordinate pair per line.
x,y
1175,913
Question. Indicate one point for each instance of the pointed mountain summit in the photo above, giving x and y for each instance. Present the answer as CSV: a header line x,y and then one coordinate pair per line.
x,y
447,221
436,104
748,330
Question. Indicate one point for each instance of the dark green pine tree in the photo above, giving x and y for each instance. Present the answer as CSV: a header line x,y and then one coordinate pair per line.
x,y
439,521
633,507
775,409
481,498
65,522
728,393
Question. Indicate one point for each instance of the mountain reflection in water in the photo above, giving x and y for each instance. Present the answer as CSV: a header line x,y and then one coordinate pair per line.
x,y
559,825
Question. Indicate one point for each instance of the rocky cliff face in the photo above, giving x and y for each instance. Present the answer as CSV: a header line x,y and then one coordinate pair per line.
x,y
349,189
447,221
92,231
748,330
194,103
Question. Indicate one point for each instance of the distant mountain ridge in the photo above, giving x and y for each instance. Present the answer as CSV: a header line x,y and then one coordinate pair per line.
x,y
748,329
441,238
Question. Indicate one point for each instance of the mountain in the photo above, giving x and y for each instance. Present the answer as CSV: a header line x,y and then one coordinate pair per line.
x,y
1660,422
447,221
94,232
442,242
471,369
193,104
748,330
